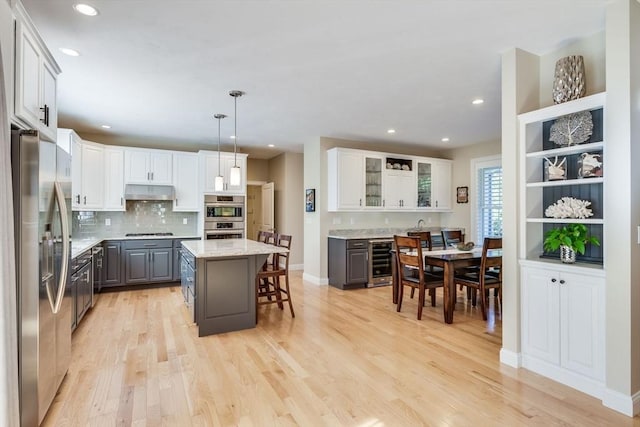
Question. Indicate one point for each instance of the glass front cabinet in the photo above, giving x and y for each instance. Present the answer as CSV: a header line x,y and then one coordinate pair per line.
x,y
373,182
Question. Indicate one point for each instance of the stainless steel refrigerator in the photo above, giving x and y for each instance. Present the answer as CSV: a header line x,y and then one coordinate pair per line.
x,y
41,174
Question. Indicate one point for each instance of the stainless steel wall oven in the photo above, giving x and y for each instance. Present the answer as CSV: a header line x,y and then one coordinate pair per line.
x,y
224,217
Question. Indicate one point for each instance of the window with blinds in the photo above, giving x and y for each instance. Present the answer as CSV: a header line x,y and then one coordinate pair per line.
x,y
489,196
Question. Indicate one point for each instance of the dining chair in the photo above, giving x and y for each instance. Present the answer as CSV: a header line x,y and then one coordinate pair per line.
x,y
268,280
427,244
488,276
409,260
451,238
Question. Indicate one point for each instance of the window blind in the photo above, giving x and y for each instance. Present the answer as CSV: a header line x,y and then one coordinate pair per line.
x,y
489,196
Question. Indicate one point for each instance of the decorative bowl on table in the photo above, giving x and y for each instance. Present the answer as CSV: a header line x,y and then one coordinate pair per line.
x,y
465,246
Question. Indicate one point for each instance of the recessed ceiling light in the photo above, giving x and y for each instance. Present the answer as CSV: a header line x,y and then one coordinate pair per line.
x,y
477,101
445,139
270,145
85,9
70,52
105,127
391,131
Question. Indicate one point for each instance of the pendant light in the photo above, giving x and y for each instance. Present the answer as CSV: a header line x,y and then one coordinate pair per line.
x,y
218,184
234,176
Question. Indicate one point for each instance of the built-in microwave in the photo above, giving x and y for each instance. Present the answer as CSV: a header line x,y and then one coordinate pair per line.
x,y
224,208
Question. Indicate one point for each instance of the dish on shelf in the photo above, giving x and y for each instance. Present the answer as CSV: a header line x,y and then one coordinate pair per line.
x,y
397,166
389,166
405,167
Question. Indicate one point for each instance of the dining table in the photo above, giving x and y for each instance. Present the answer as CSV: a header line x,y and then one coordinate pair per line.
x,y
449,260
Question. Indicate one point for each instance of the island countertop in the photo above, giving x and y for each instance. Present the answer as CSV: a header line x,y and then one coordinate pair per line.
x,y
229,248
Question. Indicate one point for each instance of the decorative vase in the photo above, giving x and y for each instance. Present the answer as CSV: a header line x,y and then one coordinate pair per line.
x,y
569,82
567,255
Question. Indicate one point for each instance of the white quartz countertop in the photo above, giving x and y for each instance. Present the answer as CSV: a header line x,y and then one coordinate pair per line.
x,y
382,233
78,247
229,248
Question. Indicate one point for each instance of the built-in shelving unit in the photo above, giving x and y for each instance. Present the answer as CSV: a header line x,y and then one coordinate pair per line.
x,y
538,191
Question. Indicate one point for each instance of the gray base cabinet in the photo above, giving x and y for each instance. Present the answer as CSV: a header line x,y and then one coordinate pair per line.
x,y
177,256
112,263
188,282
348,263
148,261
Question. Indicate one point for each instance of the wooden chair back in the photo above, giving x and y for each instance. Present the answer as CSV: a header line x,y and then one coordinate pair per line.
x,y
425,238
452,237
284,241
493,263
409,257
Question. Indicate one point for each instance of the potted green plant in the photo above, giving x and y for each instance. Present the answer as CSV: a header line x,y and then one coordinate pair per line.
x,y
570,238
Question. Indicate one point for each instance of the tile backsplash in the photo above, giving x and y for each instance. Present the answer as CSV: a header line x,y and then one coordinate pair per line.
x,y
141,216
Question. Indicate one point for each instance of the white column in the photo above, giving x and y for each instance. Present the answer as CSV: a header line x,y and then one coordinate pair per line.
x,y
622,205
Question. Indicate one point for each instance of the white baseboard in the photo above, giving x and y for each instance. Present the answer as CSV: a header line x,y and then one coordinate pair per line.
x,y
556,373
510,358
314,279
627,405
296,267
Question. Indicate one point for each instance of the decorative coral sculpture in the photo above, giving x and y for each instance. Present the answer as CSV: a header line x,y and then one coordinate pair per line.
x,y
569,207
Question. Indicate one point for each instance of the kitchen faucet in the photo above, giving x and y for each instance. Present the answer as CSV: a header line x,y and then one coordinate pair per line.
x,y
420,223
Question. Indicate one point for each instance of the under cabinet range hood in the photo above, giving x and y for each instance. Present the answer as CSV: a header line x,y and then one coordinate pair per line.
x,y
149,192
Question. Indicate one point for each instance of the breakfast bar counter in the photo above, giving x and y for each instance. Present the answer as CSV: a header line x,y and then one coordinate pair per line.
x,y
225,271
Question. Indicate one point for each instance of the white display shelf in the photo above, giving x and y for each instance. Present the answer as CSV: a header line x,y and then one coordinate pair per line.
x,y
565,220
560,182
565,151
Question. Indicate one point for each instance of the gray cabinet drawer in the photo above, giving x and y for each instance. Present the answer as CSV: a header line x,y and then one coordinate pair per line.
x,y
357,244
148,244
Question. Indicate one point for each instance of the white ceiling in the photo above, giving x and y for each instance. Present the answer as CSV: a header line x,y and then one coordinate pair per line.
x,y
157,70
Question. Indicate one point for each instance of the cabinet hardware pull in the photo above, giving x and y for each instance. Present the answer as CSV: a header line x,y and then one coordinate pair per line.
x,y
553,280
85,200
176,202
360,202
151,244
151,176
121,201
562,281
78,198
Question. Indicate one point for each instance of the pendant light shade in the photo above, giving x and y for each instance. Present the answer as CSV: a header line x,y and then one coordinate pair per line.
x,y
218,183
234,174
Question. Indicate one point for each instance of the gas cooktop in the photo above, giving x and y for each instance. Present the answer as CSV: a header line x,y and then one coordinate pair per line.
x,y
147,234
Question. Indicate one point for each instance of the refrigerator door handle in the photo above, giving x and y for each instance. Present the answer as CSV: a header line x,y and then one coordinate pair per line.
x,y
64,265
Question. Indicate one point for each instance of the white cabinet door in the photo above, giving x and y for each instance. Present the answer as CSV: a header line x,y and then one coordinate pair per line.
x,y
563,320
35,79
400,189
441,188
373,182
160,167
185,182
114,179
209,171
541,314
147,167
136,167
76,169
582,324
28,76
49,125
92,176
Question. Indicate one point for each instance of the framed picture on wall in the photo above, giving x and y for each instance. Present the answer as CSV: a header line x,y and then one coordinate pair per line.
x,y
310,200
462,195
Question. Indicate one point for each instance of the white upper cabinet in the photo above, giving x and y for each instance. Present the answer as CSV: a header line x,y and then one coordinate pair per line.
x,y
114,179
36,74
399,183
345,179
87,184
185,181
145,166
366,180
209,166
441,189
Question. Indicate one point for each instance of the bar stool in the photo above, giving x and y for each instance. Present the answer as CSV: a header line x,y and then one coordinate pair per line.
x,y
268,284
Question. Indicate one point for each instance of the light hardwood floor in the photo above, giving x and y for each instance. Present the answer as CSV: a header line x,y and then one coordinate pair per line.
x,y
347,359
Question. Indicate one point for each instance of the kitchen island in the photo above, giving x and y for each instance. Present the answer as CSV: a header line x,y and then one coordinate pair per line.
x,y
224,276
